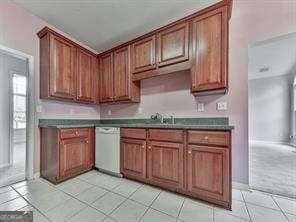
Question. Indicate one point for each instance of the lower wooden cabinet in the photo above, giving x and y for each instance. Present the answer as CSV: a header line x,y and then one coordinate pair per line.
x,y
192,162
165,164
133,156
66,152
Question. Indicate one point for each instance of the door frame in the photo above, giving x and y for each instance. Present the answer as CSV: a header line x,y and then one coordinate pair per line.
x,y
31,130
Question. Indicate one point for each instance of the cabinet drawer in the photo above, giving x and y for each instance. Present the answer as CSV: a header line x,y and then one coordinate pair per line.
x,y
133,133
166,135
209,138
75,132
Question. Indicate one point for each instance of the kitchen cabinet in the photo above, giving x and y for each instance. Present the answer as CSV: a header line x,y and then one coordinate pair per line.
x,y
106,86
196,163
210,52
86,72
115,77
66,69
66,152
173,45
133,154
143,55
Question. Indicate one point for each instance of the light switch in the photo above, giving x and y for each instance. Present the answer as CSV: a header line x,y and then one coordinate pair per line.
x,y
72,111
222,105
140,110
200,107
39,108
109,112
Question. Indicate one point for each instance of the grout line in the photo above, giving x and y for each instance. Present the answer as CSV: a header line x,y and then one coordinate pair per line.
x,y
245,203
182,205
280,208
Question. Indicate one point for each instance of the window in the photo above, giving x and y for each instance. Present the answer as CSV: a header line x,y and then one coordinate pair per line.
x,y
19,83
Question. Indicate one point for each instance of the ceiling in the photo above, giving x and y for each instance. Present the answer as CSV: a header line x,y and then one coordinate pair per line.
x,y
102,24
273,57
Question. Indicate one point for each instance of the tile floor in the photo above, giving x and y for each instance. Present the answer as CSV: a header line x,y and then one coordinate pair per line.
x,y
94,197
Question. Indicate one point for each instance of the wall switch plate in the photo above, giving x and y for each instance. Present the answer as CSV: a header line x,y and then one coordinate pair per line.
x,y
72,111
200,107
109,112
222,105
140,110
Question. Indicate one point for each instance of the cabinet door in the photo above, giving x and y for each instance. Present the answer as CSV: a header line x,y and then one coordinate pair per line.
x,y
173,45
208,172
143,55
122,74
106,78
62,81
72,156
133,158
210,43
90,150
165,164
85,76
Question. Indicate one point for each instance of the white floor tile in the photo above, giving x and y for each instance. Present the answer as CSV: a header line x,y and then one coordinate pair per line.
x,y
90,195
126,188
153,215
109,219
239,209
262,214
74,186
291,217
37,216
220,216
129,211
88,174
104,181
108,202
287,205
5,189
192,212
260,199
9,195
237,195
65,210
45,203
87,215
145,195
168,203
14,204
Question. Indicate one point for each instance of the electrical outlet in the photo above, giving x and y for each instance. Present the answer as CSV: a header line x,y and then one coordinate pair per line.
x,y
72,111
200,107
140,110
222,105
109,112
39,108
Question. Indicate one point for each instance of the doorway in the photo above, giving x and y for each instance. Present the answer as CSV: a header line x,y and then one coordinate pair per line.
x,y
272,156
13,117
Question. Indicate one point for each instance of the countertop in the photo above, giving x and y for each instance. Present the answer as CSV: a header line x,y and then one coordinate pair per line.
x,y
181,123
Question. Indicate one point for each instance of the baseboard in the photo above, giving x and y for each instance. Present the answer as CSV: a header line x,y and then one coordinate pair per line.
x,y
269,142
240,186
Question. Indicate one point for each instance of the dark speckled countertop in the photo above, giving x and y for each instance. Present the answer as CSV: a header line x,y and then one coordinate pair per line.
x,y
216,123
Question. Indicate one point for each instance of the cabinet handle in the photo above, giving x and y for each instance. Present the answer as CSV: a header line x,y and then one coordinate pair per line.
x,y
76,133
149,147
189,151
206,137
142,147
87,141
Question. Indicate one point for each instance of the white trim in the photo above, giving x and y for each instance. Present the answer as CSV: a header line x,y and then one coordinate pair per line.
x,y
269,142
240,186
31,114
36,175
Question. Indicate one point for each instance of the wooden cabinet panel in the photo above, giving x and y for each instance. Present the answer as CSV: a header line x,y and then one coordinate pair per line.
x,y
217,138
90,150
208,172
122,73
165,164
143,55
133,157
166,135
85,76
106,86
173,45
62,79
210,49
72,156
134,133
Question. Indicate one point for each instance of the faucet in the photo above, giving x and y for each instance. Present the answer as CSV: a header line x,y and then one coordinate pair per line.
x,y
162,118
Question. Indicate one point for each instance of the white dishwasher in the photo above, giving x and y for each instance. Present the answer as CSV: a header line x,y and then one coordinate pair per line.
x,y
108,150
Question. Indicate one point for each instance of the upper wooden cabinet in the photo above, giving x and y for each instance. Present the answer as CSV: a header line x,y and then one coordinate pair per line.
x,y
210,50
173,45
66,69
86,72
106,82
143,55
115,78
